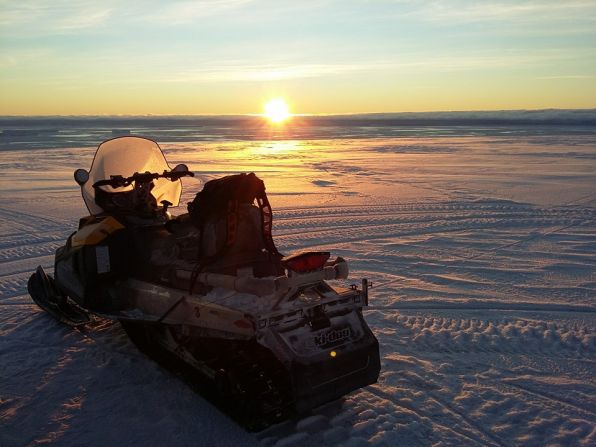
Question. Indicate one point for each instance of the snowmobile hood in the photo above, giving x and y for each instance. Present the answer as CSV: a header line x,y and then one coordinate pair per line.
x,y
124,156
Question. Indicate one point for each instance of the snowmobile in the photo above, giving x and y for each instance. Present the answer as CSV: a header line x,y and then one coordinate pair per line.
x,y
209,287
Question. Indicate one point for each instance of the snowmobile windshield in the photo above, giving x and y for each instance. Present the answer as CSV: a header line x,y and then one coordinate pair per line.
x,y
124,156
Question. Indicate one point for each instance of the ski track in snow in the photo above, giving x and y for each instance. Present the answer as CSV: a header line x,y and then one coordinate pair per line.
x,y
485,311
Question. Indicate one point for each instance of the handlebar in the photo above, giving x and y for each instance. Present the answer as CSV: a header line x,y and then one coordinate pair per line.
x,y
118,181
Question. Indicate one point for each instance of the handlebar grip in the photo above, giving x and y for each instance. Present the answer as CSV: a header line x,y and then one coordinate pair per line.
x,y
115,181
103,183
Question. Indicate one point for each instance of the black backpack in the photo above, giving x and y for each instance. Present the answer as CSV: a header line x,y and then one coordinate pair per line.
x,y
221,198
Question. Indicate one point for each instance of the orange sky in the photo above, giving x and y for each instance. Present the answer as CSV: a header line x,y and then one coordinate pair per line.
x,y
231,56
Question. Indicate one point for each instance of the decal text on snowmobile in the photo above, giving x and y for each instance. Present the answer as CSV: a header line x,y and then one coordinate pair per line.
x,y
333,336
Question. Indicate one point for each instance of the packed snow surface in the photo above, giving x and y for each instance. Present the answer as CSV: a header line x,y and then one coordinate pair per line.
x,y
482,254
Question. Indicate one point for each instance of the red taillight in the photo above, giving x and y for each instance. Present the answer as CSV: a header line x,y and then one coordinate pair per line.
x,y
306,262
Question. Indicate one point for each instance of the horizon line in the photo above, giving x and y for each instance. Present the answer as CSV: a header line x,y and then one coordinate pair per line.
x,y
255,115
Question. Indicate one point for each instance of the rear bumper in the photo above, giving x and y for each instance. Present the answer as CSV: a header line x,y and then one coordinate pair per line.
x,y
319,380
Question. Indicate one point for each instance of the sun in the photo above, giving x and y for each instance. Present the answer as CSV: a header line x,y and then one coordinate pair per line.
x,y
276,110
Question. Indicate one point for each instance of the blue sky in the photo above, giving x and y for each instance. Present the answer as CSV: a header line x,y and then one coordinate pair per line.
x,y
327,56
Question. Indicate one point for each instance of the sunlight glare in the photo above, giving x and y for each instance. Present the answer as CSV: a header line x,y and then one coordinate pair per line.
x,y
276,110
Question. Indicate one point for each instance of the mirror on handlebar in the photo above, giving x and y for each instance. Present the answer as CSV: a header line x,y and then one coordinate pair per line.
x,y
178,172
81,176
180,168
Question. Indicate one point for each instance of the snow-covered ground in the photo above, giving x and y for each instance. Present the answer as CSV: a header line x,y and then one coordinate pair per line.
x,y
481,249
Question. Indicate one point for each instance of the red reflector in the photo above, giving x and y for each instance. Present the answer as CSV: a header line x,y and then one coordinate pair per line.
x,y
243,324
306,262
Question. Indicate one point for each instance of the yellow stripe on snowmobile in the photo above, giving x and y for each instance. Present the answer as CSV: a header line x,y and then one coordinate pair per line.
x,y
95,233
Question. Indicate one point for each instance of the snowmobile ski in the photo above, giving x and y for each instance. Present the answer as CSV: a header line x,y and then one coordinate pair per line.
x,y
42,289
